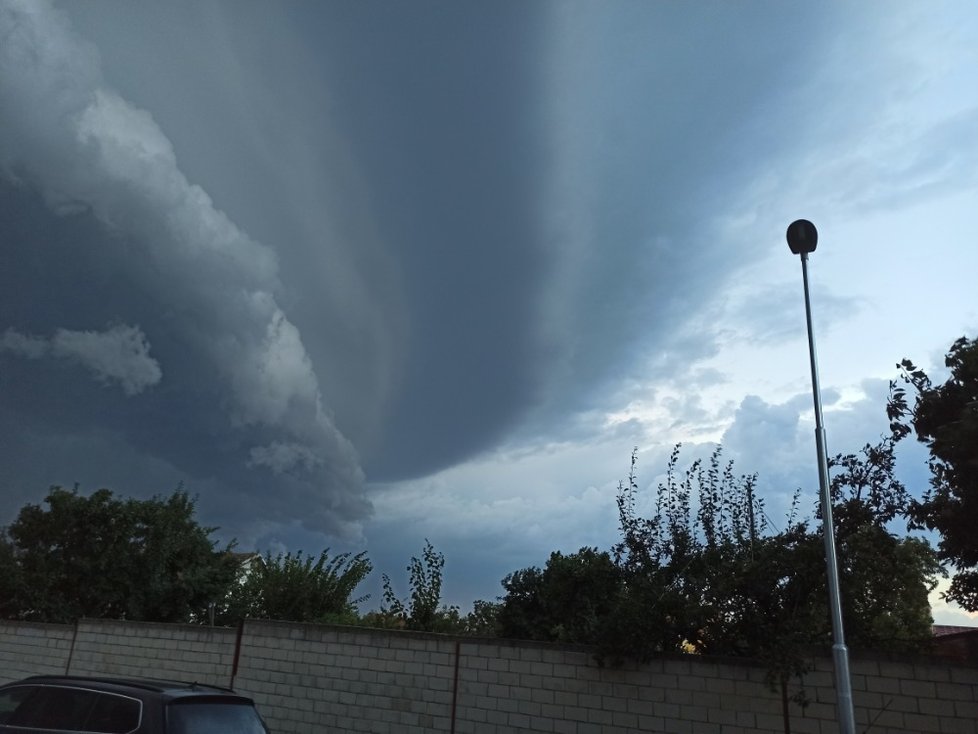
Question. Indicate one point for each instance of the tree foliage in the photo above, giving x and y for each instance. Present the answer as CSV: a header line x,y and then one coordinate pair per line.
x,y
483,620
944,417
885,579
299,588
568,601
700,568
716,580
420,611
101,556
10,580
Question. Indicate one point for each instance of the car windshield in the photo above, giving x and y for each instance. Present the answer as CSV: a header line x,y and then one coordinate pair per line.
x,y
213,717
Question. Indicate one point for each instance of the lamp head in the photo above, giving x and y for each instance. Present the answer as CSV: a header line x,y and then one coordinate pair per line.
x,y
802,236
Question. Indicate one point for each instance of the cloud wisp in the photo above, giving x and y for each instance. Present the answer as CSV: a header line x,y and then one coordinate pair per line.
x,y
119,354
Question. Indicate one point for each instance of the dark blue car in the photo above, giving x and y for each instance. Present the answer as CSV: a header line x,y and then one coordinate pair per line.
x,y
124,706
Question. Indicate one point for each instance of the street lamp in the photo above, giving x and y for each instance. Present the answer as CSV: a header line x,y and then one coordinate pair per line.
x,y
802,239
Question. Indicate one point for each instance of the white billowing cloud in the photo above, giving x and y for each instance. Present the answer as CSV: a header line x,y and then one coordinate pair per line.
x,y
127,149
946,613
85,147
119,354
278,378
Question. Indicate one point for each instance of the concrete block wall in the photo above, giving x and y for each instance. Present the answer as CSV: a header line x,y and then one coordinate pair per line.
x,y
151,650
310,678
506,687
519,687
894,695
33,649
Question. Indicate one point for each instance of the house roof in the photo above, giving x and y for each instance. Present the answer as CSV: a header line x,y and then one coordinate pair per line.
x,y
943,630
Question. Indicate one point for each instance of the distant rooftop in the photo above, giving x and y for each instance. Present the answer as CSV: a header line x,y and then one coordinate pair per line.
x,y
941,630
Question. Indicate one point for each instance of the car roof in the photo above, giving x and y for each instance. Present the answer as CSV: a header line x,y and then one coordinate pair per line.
x,y
170,689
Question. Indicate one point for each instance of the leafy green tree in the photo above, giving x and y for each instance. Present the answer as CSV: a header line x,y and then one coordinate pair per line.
x,y
483,620
10,579
420,611
100,556
885,579
480,622
681,568
706,572
672,583
945,418
299,588
568,601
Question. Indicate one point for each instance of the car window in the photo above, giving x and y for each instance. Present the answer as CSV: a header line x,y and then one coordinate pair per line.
x,y
213,717
114,715
69,709
10,700
50,707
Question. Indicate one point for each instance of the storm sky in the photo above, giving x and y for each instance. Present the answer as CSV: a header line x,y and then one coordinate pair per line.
x,y
361,274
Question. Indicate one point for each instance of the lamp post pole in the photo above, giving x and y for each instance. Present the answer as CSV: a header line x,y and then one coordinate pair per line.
x,y
802,239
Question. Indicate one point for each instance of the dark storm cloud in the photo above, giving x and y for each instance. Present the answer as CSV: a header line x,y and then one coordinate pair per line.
x,y
371,230
656,115
546,180
444,123
422,126
60,427
631,125
205,286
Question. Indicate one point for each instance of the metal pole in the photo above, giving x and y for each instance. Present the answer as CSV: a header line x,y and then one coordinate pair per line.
x,y
840,653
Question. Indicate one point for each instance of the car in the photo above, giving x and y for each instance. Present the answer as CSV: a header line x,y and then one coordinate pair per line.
x,y
97,705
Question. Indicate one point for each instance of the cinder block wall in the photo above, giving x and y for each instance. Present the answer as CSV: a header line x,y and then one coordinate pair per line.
x,y
508,687
910,696
33,649
518,687
311,678
150,650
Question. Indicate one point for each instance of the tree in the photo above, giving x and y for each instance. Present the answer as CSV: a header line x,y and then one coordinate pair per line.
x,y
706,572
686,573
483,620
100,556
885,580
945,419
728,583
420,611
299,589
675,581
568,601
10,579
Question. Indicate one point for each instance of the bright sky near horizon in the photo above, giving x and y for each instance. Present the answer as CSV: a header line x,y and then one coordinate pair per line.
x,y
361,274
